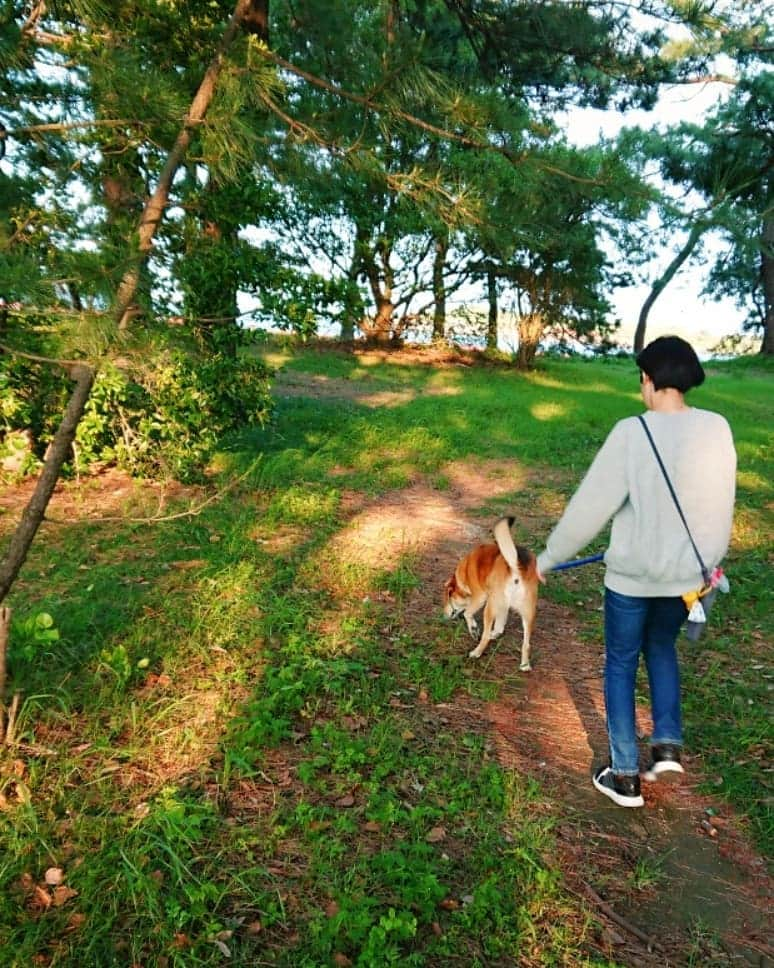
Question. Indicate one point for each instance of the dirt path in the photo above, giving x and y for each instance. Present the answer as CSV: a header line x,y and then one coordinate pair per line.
x,y
676,883
679,876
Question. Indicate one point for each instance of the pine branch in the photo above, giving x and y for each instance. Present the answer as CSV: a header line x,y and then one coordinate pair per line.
x,y
157,203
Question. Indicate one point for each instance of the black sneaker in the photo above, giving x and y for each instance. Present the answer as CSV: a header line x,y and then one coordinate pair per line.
x,y
623,790
665,758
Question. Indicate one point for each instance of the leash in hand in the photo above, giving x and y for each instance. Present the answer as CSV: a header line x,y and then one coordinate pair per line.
x,y
578,562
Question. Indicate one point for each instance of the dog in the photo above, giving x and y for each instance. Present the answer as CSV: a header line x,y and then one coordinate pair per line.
x,y
498,577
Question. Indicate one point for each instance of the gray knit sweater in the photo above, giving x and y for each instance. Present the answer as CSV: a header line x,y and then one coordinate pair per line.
x,y
649,553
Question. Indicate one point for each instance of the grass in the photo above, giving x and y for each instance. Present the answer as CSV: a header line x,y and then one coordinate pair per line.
x,y
233,747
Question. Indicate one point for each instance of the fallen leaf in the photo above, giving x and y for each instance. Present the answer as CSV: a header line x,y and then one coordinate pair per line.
x,y
341,960
449,904
331,909
372,827
436,835
40,899
254,927
63,894
346,801
53,876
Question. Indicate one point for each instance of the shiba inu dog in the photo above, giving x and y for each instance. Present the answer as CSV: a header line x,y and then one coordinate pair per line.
x,y
496,577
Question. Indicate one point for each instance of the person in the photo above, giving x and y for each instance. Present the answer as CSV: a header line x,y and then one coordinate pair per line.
x,y
650,563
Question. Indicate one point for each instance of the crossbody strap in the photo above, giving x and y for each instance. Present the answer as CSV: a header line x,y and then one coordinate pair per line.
x,y
704,573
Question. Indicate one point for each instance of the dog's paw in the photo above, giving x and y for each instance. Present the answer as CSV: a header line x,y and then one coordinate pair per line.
x,y
525,667
474,654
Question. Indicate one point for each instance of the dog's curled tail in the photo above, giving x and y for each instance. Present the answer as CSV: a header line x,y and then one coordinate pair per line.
x,y
519,559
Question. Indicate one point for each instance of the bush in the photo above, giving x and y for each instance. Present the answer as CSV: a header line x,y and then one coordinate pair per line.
x,y
161,413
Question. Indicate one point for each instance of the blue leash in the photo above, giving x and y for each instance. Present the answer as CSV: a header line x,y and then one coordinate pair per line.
x,y
580,561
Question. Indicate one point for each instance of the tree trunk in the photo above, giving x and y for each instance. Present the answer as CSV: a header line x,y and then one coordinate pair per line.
x,y
5,627
767,275
530,331
35,510
491,328
439,289
663,281
255,19
380,330
154,208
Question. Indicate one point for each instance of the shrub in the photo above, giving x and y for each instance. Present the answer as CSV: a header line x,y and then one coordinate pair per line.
x,y
161,413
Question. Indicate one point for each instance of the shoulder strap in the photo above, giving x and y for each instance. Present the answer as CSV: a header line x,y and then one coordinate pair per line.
x,y
704,573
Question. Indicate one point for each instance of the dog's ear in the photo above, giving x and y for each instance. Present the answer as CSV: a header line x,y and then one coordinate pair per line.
x,y
451,584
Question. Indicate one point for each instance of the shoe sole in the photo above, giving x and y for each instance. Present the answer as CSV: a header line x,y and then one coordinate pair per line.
x,y
622,801
662,771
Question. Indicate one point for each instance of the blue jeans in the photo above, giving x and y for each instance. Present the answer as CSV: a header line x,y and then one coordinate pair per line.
x,y
650,626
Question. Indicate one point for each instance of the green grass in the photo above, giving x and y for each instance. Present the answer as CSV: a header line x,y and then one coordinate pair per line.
x,y
234,746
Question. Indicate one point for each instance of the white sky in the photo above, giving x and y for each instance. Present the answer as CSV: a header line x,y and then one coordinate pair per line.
x,y
680,308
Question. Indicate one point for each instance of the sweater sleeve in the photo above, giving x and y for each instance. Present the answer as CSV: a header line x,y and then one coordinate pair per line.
x,y
601,493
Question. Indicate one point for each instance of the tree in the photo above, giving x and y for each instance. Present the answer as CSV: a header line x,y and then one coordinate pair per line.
x,y
541,237
728,161
82,373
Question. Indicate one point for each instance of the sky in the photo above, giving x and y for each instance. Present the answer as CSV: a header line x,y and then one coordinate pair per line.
x,y
680,308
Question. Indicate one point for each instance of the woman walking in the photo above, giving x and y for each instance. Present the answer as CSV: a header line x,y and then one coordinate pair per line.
x,y
654,553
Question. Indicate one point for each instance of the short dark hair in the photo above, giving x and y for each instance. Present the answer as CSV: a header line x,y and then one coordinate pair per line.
x,y
671,362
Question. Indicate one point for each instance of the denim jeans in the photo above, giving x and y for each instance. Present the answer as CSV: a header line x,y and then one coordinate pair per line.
x,y
649,626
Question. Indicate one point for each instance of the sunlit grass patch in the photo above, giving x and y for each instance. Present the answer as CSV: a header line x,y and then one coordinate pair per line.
x,y
548,411
752,481
751,529
302,505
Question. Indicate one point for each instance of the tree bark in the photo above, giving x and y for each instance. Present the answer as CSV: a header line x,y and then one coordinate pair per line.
x,y
439,289
34,512
767,275
154,207
491,328
530,331
380,281
255,19
663,281
5,627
